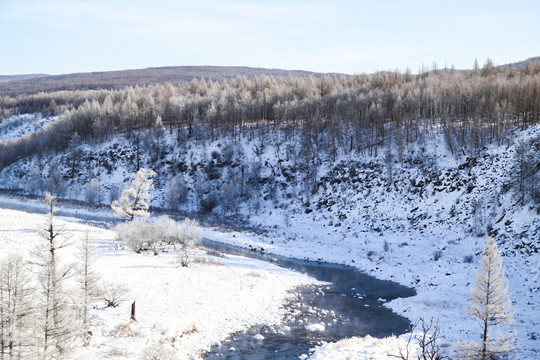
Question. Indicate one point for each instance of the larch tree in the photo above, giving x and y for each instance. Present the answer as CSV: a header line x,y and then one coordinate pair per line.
x,y
16,308
491,306
56,331
134,201
87,275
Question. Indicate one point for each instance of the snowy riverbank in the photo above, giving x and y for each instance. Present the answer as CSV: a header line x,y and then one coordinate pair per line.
x,y
180,310
443,285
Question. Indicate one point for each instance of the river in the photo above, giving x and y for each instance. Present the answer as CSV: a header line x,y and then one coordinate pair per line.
x,y
352,304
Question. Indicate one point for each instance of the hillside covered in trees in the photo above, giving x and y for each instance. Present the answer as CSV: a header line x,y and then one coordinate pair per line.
x,y
27,84
378,168
309,123
329,117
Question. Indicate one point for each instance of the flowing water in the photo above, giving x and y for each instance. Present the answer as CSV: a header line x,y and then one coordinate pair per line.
x,y
352,304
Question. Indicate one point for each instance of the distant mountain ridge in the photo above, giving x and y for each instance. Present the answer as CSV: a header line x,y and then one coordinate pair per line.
x,y
32,83
6,78
522,63
148,76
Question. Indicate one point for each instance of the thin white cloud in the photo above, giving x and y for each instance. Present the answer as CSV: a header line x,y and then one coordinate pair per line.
x,y
253,10
143,18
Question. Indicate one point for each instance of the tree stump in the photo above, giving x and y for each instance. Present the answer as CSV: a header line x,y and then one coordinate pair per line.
x,y
133,312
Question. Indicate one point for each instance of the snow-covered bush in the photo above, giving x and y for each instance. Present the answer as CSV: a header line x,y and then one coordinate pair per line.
x,y
190,236
141,235
167,231
191,232
137,235
159,351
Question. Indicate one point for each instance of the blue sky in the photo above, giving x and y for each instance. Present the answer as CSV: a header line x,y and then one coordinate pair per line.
x,y
65,36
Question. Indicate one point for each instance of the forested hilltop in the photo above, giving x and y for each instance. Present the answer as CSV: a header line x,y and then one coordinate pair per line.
x,y
447,146
31,84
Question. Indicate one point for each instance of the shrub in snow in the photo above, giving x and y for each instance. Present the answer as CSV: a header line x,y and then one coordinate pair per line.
x,y
167,231
421,342
159,351
141,235
437,254
468,259
114,294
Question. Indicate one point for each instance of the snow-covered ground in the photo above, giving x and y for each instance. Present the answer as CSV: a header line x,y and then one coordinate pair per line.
x,y
443,285
179,310
366,348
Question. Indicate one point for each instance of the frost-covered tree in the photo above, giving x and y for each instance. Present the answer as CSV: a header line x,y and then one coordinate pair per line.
x,y
134,201
491,306
55,330
34,181
54,182
87,275
190,236
177,191
161,350
16,308
231,192
93,193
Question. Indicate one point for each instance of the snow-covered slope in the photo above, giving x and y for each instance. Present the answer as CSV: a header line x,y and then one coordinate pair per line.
x,y
416,214
19,125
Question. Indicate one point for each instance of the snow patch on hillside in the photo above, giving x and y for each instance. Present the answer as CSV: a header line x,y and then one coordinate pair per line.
x,y
18,125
